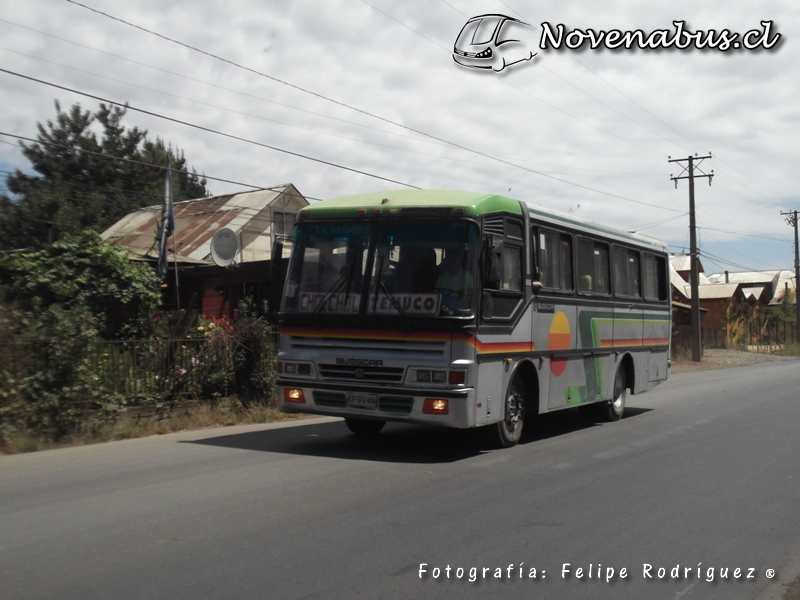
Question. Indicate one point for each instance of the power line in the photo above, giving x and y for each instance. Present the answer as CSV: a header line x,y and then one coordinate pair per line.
x,y
359,110
538,99
742,233
631,100
717,259
117,158
207,83
207,129
317,131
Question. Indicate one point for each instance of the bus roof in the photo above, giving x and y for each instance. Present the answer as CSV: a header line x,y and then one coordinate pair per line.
x,y
434,202
472,203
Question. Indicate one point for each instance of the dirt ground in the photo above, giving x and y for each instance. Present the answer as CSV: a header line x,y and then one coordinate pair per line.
x,y
722,359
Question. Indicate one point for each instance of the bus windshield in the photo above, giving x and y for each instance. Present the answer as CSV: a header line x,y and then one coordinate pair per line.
x,y
407,268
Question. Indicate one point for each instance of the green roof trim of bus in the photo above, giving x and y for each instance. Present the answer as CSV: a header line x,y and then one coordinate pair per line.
x,y
472,203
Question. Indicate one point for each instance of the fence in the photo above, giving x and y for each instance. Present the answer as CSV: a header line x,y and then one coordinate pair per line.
x,y
770,333
131,369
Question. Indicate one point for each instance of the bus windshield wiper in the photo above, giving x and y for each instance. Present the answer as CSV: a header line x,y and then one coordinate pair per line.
x,y
345,280
380,285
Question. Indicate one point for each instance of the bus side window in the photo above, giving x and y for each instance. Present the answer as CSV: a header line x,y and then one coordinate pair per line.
x,y
601,269
655,268
627,280
503,287
592,267
555,260
512,268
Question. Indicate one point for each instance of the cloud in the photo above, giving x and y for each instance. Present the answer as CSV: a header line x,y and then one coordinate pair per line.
x,y
606,121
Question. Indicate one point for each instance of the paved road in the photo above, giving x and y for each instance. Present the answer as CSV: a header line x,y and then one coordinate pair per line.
x,y
702,471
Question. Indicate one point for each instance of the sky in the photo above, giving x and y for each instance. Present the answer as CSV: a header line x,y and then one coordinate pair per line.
x,y
348,96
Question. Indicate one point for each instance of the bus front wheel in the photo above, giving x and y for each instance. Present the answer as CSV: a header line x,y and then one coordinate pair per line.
x,y
364,427
509,430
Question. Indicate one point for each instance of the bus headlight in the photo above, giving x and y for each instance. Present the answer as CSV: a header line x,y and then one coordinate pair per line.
x,y
434,376
295,368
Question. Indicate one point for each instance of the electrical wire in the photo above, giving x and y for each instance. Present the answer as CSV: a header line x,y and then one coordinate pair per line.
x,y
206,129
361,111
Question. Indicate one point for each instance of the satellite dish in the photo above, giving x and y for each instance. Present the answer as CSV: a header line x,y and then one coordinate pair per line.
x,y
224,246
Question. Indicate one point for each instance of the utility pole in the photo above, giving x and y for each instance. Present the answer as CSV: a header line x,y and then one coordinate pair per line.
x,y
688,173
791,219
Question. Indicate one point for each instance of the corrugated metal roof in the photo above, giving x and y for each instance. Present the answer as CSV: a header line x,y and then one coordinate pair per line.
x,y
786,281
678,282
196,221
717,291
745,277
683,262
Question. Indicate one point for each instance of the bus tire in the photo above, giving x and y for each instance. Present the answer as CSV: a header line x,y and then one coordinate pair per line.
x,y
616,406
364,427
508,432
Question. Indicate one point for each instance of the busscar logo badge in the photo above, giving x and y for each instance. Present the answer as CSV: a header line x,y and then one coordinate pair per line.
x,y
359,362
493,42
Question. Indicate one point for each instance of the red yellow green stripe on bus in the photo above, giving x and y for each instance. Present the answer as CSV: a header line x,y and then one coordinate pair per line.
x,y
422,336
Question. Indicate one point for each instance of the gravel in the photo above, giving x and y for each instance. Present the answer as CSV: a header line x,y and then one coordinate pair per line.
x,y
722,359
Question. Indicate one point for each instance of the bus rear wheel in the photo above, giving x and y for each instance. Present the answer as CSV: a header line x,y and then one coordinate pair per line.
x,y
364,427
509,431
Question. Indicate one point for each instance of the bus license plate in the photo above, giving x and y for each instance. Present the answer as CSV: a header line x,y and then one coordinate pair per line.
x,y
356,400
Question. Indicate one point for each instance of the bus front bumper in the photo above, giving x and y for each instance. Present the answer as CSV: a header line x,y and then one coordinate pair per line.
x,y
446,407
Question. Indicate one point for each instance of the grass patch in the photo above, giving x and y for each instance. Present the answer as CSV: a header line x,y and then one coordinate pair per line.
x,y
128,426
790,350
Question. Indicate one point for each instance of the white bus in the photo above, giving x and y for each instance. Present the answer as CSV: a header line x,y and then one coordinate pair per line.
x,y
467,310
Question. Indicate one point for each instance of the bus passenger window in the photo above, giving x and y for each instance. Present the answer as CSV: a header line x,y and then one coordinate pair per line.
x,y
592,267
555,260
626,273
655,273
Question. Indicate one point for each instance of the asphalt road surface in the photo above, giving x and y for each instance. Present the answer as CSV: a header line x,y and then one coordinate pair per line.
x,y
702,477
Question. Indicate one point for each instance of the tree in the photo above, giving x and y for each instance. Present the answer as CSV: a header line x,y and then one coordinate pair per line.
x,y
56,305
80,273
88,181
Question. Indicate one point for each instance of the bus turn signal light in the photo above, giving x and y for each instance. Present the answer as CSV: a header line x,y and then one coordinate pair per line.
x,y
435,406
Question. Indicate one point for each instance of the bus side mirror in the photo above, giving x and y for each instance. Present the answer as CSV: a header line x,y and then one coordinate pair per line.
x,y
275,261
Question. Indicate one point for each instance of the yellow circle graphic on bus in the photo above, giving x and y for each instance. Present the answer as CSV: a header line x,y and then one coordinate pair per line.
x,y
560,338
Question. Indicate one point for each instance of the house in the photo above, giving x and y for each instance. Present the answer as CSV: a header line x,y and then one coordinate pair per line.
x,y
730,300
253,219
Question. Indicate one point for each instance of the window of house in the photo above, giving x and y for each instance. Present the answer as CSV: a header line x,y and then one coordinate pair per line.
x,y
283,223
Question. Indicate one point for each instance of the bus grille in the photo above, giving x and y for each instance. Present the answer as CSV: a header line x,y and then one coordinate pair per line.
x,y
365,374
